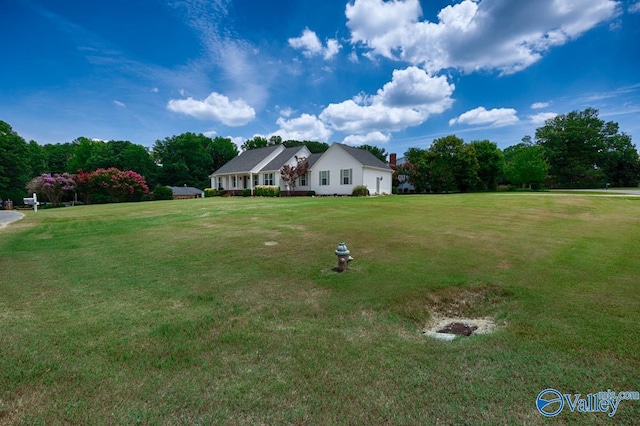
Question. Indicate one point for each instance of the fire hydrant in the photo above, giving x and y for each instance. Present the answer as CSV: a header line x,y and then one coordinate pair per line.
x,y
343,257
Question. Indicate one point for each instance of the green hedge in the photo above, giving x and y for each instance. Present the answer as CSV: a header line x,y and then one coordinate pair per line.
x,y
211,192
360,191
162,193
266,191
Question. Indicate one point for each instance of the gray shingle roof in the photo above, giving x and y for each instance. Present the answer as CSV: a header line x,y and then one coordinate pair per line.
x,y
246,161
365,157
282,158
313,158
185,190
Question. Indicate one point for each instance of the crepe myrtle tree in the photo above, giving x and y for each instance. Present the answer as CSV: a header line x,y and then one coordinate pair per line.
x,y
52,186
290,174
120,185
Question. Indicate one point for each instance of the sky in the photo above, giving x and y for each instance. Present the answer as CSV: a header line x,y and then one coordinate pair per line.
x,y
394,74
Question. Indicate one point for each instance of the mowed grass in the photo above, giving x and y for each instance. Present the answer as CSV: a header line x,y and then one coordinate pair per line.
x,y
228,311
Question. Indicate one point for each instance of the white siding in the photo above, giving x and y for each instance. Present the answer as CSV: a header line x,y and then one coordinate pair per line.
x,y
378,180
334,160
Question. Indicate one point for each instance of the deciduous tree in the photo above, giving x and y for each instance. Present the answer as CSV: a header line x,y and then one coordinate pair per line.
x,y
525,164
313,146
452,165
222,150
584,151
255,142
490,164
290,173
416,169
380,153
15,169
185,160
54,187
120,185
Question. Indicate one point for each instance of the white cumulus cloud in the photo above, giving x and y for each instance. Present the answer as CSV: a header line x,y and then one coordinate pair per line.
x,y
539,105
286,112
215,107
311,45
540,118
473,34
369,139
409,99
306,127
496,117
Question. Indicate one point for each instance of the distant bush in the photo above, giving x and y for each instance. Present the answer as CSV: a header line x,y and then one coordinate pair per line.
x,y
536,186
100,198
267,191
211,192
50,206
146,197
246,192
311,193
222,192
162,193
360,191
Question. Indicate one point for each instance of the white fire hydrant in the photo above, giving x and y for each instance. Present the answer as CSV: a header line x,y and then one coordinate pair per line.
x,y
343,257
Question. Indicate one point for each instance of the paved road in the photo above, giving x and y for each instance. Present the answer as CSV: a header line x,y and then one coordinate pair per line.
x,y
8,216
609,191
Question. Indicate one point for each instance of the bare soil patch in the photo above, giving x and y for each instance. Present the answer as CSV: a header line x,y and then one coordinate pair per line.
x,y
459,311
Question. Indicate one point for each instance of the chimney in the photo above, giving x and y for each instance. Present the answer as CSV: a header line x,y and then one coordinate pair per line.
x,y
392,160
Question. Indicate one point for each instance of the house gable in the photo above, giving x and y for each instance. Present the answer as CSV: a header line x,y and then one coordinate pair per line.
x,y
250,161
287,156
341,168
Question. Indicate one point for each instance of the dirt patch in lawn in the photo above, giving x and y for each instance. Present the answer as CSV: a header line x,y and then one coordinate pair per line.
x,y
457,311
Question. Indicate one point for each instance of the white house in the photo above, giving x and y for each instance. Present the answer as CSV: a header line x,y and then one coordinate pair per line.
x,y
341,168
336,171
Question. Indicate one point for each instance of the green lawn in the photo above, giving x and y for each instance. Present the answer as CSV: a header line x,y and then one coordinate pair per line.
x,y
228,311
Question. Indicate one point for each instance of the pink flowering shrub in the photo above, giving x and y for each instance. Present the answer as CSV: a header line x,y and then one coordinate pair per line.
x,y
52,186
120,185
83,185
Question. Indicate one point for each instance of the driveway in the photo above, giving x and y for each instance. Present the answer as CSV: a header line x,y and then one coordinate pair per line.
x,y
608,191
8,216
624,191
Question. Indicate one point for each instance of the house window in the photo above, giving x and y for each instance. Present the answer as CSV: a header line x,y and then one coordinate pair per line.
x,y
302,181
219,183
234,181
324,177
268,179
255,180
346,176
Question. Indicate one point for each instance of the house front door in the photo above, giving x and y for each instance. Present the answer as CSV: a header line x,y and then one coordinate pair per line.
x,y
246,180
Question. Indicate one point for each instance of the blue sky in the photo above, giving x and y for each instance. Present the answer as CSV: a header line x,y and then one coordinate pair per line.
x,y
395,74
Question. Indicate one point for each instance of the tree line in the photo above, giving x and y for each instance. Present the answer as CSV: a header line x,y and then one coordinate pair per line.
x,y
187,159
575,150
